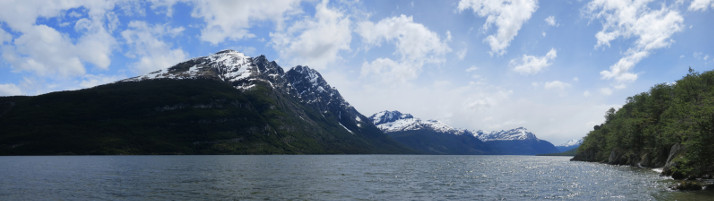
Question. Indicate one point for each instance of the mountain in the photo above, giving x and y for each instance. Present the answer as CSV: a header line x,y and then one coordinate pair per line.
x,y
224,103
519,133
572,144
435,137
518,141
427,136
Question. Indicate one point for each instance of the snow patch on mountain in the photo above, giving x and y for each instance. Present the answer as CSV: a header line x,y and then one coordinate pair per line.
x,y
227,65
519,133
395,121
246,73
572,142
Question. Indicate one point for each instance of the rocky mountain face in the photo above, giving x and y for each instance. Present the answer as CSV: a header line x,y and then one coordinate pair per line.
x,y
302,83
435,137
224,103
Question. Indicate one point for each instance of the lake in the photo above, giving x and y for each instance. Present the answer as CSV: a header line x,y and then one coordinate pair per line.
x,y
327,177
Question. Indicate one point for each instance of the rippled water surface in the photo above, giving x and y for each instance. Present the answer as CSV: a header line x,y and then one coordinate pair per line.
x,y
326,177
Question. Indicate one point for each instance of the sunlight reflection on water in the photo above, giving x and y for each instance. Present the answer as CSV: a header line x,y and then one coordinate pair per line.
x,y
325,177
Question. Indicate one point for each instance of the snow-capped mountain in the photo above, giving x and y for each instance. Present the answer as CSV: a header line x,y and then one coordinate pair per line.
x,y
243,73
427,136
572,144
306,108
516,141
394,121
435,137
227,66
519,133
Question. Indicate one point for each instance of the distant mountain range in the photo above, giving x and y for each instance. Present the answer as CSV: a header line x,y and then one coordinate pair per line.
x,y
572,144
435,137
229,103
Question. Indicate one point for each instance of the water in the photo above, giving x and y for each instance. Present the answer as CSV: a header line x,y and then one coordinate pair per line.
x,y
326,177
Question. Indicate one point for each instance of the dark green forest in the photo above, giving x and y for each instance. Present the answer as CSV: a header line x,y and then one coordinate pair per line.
x,y
671,125
198,116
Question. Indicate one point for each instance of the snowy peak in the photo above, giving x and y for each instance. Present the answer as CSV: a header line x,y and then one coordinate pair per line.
x,y
572,142
395,121
519,133
388,116
230,66
225,65
310,85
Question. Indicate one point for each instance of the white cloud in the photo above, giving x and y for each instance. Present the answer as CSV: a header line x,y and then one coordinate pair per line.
x,y
474,75
415,44
461,54
9,90
315,41
4,36
550,20
586,93
90,80
471,69
652,29
43,50
507,15
700,55
167,4
529,64
701,5
145,42
388,71
231,20
21,15
556,85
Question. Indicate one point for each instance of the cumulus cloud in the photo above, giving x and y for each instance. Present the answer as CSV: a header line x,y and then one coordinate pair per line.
x,y
651,28
43,50
701,5
231,20
550,20
556,85
414,41
146,43
315,41
389,71
9,90
529,64
507,15
415,46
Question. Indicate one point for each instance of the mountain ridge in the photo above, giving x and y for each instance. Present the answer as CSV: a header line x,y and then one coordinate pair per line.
x,y
223,103
430,135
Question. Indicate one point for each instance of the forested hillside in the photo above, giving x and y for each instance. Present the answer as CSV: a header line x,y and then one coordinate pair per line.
x,y
672,125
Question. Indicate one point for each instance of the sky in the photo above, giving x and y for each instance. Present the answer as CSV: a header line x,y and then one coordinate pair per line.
x,y
553,67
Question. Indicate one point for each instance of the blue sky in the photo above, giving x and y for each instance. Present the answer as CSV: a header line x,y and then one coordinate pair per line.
x,y
551,66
